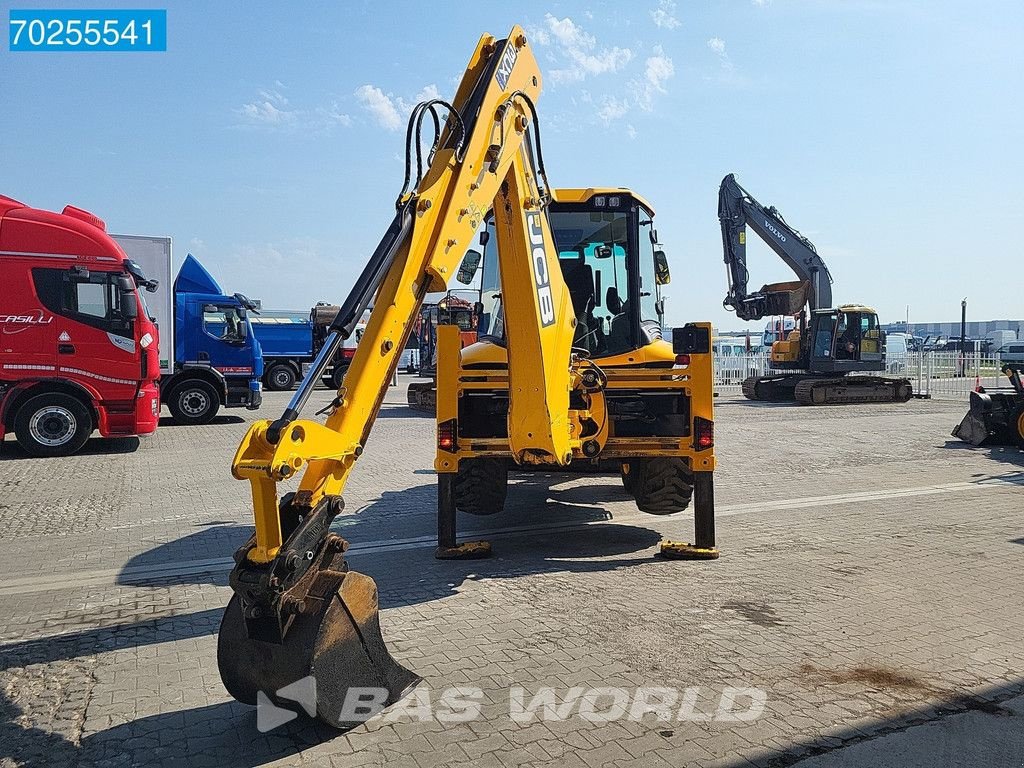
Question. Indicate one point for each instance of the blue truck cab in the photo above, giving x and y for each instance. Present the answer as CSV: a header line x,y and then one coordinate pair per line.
x,y
217,357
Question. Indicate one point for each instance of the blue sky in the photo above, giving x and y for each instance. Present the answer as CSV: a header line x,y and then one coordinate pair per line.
x,y
267,139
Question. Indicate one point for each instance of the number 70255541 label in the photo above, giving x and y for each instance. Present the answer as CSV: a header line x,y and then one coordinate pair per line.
x,y
40,29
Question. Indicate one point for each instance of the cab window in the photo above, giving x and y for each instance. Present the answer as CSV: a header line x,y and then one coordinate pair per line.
x,y
224,323
91,299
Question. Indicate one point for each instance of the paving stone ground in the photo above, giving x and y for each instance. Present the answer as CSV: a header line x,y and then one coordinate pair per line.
x,y
869,593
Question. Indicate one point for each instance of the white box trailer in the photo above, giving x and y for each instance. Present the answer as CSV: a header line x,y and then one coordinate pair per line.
x,y
154,256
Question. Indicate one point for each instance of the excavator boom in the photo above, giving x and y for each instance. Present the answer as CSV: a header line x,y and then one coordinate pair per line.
x,y
738,209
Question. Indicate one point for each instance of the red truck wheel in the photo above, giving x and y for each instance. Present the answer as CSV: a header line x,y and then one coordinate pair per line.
x,y
54,424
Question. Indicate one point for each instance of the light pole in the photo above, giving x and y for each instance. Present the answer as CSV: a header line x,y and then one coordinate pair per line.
x,y
963,336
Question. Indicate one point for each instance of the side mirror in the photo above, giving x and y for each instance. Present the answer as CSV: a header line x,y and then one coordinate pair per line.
x,y
470,264
152,285
128,306
126,284
603,252
662,276
243,331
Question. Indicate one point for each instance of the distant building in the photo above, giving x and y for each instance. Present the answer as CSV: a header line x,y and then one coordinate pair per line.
x,y
976,329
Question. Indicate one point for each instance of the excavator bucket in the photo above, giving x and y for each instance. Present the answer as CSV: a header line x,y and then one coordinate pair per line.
x,y
787,298
332,663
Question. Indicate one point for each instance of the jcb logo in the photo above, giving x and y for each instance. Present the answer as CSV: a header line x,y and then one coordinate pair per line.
x,y
539,256
508,60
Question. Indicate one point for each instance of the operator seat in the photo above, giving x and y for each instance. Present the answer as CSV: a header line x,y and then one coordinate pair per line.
x,y
579,279
619,337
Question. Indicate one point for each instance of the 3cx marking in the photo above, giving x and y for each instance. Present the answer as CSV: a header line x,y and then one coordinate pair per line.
x,y
508,61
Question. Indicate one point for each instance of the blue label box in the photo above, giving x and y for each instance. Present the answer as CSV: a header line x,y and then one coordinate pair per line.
x,y
47,30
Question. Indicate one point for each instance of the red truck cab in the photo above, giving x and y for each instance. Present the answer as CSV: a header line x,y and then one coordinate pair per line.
x,y
78,350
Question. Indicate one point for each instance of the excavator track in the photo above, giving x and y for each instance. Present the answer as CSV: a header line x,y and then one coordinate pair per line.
x,y
845,390
769,389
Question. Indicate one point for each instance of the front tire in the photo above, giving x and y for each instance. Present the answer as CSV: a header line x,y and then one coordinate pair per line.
x,y
53,424
481,486
194,403
662,485
280,378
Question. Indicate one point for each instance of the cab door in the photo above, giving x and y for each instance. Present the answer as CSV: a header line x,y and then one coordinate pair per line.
x,y
93,341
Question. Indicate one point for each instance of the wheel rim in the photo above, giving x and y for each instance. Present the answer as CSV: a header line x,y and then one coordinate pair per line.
x,y
194,402
282,378
1020,425
53,426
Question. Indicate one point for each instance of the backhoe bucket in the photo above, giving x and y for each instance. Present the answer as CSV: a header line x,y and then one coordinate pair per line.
x,y
332,663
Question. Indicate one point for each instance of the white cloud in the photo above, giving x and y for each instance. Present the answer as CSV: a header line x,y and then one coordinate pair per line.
x,y
429,92
664,15
612,109
761,3
270,108
389,111
717,45
579,54
630,130
380,106
658,70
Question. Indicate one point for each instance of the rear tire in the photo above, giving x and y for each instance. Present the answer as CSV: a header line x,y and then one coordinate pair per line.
x,y
280,378
333,379
481,486
1016,426
194,403
54,424
662,485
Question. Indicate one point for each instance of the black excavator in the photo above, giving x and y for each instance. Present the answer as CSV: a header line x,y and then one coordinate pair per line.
x,y
827,343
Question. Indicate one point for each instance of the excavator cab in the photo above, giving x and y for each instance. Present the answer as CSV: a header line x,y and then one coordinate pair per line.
x,y
845,339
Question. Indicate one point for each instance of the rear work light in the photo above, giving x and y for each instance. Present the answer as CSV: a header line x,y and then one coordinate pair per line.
x,y
447,435
703,433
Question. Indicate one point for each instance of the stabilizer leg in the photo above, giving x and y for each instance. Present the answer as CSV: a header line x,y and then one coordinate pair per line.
x,y
703,547
447,546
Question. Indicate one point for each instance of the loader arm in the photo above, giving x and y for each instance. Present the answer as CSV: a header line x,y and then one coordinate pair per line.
x,y
482,159
737,209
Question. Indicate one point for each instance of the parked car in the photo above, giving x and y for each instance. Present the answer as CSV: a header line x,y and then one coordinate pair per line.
x,y
1012,353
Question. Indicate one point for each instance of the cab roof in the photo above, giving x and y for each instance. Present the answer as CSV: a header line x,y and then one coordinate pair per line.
x,y
579,195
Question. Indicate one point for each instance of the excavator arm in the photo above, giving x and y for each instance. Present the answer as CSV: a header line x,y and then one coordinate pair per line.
x,y
297,611
738,209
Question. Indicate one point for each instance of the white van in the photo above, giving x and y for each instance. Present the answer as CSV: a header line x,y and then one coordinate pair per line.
x,y
897,345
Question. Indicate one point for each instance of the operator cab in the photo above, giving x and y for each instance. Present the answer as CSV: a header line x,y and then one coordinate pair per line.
x,y
611,264
846,338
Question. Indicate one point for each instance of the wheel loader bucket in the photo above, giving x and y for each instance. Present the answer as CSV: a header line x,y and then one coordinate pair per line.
x,y
332,664
976,426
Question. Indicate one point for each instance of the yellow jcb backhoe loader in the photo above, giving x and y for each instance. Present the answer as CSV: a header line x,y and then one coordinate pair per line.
x,y
298,615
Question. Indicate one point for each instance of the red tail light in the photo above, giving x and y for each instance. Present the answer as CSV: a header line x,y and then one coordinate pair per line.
x,y
683,360
347,353
703,433
448,435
